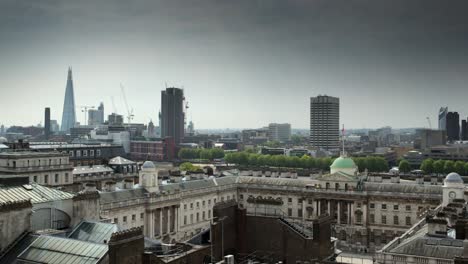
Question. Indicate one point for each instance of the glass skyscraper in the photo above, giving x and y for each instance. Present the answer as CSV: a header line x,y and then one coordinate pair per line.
x,y
69,115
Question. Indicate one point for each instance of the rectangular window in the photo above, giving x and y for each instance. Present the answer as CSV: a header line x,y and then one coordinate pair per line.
x,y
91,152
203,203
198,204
384,207
289,211
310,201
98,152
358,205
78,153
222,199
191,205
214,201
299,201
66,177
191,218
395,220
358,218
46,179
289,200
299,212
133,217
395,207
142,215
209,213
209,202
85,153
371,205
56,178
185,206
384,219
185,219
408,220
125,218
116,220
35,179
71,153
372,218
241,197
198,217
203,215
408,208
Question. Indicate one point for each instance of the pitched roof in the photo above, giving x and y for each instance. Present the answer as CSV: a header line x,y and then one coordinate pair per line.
x,y
120,161
57,250
122,195
35,192
96,232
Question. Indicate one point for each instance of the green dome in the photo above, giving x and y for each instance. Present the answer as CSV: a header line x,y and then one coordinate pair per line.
x,y
343,163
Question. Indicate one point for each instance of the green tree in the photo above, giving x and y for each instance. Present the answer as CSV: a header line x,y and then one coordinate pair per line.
x,y
438,166
187,166
449,166
253,159
296,140
460,167
427,166
206,154
304,161
381,164
361,163
217,153
404,166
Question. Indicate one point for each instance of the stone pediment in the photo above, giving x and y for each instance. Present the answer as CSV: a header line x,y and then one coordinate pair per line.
x,y
338,177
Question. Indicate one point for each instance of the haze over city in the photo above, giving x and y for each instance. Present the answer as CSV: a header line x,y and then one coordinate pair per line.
x,y
241,63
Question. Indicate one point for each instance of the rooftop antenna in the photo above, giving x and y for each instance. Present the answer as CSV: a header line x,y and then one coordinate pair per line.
x,y
343,140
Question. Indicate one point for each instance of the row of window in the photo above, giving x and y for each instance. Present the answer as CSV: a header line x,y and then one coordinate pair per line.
x,y
204,216
36,162
197,204
396,220
56,178
396,207
133,217
78,153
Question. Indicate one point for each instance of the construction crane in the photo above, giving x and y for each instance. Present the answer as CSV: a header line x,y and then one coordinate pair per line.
x,y
84,109
130,114
429,122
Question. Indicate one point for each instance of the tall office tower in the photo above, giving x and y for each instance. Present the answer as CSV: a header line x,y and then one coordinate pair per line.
x,y
47,122
172,114
69,115
464,130
453,126
324,122
443,118
279,132
96,116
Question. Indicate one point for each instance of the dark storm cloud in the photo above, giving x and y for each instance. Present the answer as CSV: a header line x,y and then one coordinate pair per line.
x,y
371,53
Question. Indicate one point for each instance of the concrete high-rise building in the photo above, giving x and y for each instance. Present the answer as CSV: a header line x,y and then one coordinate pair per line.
x,y
47,129
69,115
453,126
96,116
115,119
443,118
172,114
54,126
325,122
279,132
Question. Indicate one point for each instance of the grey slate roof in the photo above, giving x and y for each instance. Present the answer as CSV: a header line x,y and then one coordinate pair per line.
x,y
122,195
199,184
10,257
94,231
120,161
402,188
93,169
423,245
33,191
273,181
57,250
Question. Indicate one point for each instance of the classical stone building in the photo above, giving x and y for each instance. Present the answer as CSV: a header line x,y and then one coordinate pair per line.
x,y
367,210
45,168
438,238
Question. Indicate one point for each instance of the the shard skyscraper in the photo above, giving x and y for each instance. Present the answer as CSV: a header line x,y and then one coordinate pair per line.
x,y
69,115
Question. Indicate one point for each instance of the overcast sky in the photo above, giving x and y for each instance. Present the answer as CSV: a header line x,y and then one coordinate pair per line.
x,y
243,63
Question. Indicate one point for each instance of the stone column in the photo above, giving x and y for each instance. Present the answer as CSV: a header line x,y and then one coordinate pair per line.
x,y
176,219
319,211
169,219
364,214
329,207
348,208
150,224
156,230
338,220
161,221
351,220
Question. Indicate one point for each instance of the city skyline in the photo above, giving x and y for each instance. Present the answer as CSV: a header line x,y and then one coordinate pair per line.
x,y
252,63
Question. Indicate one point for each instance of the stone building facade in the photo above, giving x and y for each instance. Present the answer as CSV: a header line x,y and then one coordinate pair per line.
x,y
367,210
